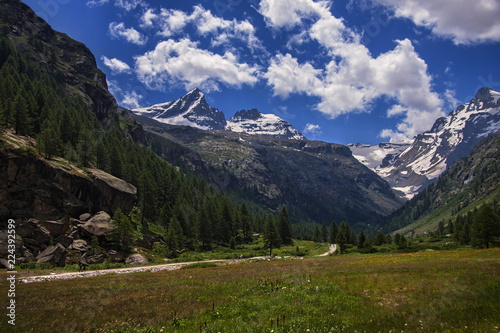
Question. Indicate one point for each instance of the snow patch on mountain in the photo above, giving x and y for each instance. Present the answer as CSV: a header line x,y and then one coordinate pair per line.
x,y
254,122
373,156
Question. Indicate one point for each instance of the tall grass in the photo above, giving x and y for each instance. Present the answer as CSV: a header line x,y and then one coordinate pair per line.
x,y
441,291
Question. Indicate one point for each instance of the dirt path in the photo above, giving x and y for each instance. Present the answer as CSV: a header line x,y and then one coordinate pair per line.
x,y
152,268
332,250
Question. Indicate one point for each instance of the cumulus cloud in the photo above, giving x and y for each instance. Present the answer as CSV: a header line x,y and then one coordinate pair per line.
x,y
131,100
131,35
127,5
96,3
182,62
172,22
312,129
464,21
117,66
353,80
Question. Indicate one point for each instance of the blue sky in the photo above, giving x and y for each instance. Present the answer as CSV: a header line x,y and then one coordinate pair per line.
x,y
349,71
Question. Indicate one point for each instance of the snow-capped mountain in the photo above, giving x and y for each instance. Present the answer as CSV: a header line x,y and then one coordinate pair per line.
x,y
375,156
450,138
193,110
254,122
189,110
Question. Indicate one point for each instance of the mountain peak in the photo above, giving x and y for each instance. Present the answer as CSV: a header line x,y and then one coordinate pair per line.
x,y
487,96
195,92
254,122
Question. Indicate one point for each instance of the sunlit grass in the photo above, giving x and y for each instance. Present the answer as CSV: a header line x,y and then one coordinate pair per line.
x,y
441,291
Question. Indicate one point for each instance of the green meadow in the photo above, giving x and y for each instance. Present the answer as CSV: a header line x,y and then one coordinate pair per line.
x,y
435,291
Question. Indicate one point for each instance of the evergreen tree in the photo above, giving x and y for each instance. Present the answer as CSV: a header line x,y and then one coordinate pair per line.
x,y
122,236
361,240
343,236
174,238
486,226
22,121
334,229
316,235
272,237
324,233
204,230
246,223
284,227
379,238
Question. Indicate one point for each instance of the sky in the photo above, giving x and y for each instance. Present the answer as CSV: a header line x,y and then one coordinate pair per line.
x,y
353,71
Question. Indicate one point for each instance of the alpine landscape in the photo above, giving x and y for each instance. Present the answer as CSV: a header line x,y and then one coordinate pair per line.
x,y
249,166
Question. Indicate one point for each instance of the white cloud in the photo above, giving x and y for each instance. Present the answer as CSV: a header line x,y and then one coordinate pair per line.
x,y
96,3
131,100
312,129
117,66
130,34
128,5
223,32
182,62
353,80
464,21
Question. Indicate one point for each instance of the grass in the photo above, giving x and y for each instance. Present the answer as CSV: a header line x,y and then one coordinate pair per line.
x,y
439,291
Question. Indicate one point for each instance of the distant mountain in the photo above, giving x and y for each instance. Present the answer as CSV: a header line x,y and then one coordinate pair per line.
x,y
317,181
430,153
254,122
189,110
194,111
376,156
468,183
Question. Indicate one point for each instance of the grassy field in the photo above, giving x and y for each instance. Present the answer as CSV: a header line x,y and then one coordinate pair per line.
x,y
440,291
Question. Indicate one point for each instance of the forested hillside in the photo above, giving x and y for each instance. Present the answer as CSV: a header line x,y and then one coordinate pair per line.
x,y
466,185
51,90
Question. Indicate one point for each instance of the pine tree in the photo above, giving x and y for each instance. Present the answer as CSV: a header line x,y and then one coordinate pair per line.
x,y
204,230
486,226
122,236
22,121
175,237
361,240
324,233
379,238
246,223
272,237
334,229
284,227
343,236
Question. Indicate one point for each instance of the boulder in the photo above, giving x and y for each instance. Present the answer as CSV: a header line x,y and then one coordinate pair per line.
x,y
118,193
64,240
79,245
137,260
84,217
99,225
116,256
56,228
97,259
54,254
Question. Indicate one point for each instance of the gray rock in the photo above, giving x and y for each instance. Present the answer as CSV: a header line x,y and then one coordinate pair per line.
x,y
97,259
84,217
56,228
64,240
79,245
136,260
116,256
54,254
99,225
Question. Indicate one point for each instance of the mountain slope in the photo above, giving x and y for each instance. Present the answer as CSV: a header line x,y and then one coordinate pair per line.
x,y
450,138
377,156
319,182
189,110
254,122
461,188
194,111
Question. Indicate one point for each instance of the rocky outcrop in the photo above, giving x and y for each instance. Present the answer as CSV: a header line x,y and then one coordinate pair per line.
x,y
65,59
136,260
32,187
99,225
54,255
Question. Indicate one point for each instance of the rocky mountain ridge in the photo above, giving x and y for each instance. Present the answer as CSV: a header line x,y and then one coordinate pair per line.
x,y
193,110
318,181
430,153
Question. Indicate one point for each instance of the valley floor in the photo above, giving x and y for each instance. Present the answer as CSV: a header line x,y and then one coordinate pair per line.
x,y
431,291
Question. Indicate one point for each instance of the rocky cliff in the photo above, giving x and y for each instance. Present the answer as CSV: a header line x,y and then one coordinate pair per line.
x,y
33,187
68,61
